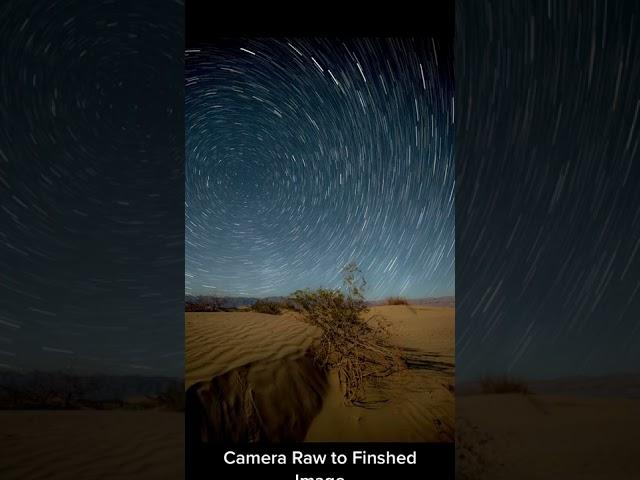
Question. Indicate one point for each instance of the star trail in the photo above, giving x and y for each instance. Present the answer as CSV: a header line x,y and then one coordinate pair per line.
x,y
91,185
305,154
548,204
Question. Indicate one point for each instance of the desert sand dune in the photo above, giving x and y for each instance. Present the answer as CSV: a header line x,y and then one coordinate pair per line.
x,y
250,376
533,437
417,405
91,444
219,342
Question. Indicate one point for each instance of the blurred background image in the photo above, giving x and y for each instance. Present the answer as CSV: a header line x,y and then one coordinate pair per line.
x,y
91,240
547,238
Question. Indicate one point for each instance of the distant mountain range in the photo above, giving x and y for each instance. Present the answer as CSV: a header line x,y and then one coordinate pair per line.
x,y
239,302
227,302
94,387
433,301
624,385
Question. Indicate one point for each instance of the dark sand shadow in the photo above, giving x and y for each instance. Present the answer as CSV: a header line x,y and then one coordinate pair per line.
x,y
266,402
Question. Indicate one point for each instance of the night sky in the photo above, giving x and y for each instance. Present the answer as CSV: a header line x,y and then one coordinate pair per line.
x,y
548,188
92,179
305,154
91,186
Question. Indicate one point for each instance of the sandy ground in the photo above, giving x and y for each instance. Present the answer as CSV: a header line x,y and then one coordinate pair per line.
x,y
91,445
219,342
235,359
547,436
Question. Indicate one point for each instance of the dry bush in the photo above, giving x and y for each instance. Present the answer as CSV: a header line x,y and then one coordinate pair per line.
x,y
504,384
266,306
48,390
356,347
396,301
171,398
205,304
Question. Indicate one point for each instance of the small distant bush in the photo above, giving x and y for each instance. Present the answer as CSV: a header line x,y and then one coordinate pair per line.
x,y
57,390
504,384
397,301
266,306
204,305
172,398
358,348
48,390
207,304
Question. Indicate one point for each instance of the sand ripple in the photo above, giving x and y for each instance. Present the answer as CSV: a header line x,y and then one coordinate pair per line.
x,y
219,342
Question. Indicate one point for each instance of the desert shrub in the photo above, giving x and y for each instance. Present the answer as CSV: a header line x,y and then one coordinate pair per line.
x,y
397,301
503,384
289,304
205,304
266,306
171,398
47,390
356,347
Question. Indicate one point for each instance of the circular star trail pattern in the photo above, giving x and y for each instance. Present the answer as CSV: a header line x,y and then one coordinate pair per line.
x,y
91,175
304,155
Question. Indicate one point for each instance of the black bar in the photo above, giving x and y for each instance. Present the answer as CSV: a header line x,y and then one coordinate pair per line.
x,y
434,461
